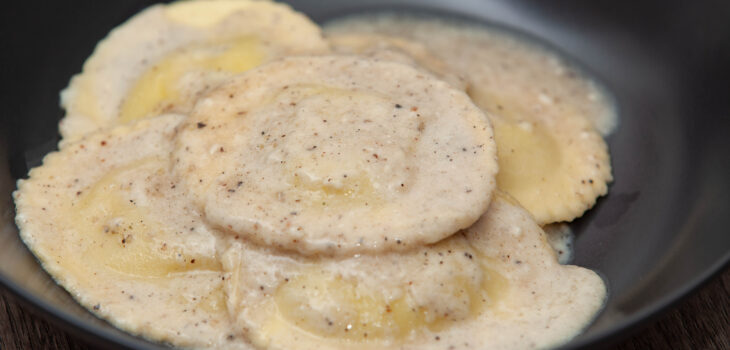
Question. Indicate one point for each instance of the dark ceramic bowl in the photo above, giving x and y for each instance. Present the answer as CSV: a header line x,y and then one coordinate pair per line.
x,y
660,233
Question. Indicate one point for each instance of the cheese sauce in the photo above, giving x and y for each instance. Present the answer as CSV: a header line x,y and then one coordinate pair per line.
x,y
142,222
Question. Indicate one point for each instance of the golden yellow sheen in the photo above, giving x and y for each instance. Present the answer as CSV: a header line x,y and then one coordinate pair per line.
x,y
367,315
528,156
553,163
160,86
86,102
120,235
354,191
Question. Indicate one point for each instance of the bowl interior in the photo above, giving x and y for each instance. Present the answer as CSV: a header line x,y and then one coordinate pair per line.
x,y
659,233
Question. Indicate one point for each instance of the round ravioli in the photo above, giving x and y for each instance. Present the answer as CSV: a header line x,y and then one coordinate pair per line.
x,y
496,285
321,154
163,58
395,49
107,221
556,165
545,115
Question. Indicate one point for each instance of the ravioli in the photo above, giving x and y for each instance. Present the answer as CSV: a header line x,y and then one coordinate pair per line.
x,y
546,117
108,222
229,178
555,165
395,49
473,290
163,58
322,155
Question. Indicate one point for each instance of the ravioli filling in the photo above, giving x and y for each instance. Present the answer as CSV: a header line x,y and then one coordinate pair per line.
x,y
121,235
178,77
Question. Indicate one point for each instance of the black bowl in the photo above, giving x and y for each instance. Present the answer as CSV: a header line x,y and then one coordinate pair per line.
x,y
659,233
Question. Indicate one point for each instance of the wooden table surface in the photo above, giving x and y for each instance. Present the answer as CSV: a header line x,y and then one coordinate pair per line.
x,y
702,321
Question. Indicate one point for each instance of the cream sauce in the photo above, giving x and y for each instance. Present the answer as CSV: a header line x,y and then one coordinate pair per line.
x,y
545,113
154,265
540,78
561,238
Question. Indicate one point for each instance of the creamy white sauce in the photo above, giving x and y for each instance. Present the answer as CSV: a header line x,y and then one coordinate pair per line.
x,y
330,157
561,237
543,77
531,301
496,286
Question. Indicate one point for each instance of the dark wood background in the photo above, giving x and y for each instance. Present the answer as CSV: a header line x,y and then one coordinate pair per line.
x,y
701,321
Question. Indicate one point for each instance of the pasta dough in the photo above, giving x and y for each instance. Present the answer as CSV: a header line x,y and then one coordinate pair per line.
x,y
395,49
546,116
163,58
123,239
319,154
496,285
